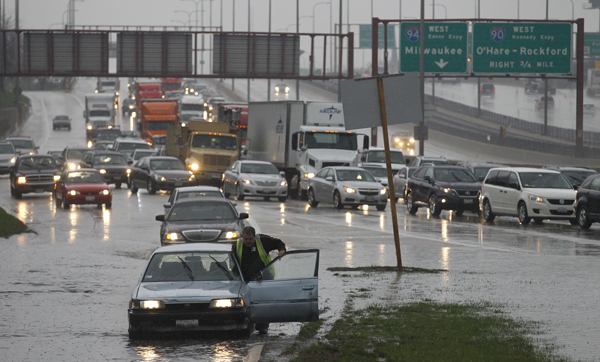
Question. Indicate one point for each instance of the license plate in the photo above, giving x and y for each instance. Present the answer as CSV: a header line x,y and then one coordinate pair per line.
x,y
216,175
186,323
562,209
468,201
90,198
267,191
177,184
39,191
117,177
370,198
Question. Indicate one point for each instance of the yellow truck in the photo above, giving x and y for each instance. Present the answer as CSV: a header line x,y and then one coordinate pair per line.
x,y
206,148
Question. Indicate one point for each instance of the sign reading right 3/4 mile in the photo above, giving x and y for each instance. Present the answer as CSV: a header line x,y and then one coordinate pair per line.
x,y
522,48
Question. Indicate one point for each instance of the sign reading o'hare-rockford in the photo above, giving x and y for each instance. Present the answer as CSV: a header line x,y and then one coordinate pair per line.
x,y
541,48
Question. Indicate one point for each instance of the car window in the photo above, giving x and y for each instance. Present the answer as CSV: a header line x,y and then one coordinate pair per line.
x,y
454,175
322,173
259,168
402,173
377,171
481,171
513,179
293,265
186,266
167,164
492,177
429,172
76,154
354,175
419,173
6,148
586,183
544,180
502,178
84,177
37,162
201,212
189,194
576,177
109,160
595,184
22,143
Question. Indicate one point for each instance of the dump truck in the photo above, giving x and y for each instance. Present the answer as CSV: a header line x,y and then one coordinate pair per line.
x,y
155,117
206,148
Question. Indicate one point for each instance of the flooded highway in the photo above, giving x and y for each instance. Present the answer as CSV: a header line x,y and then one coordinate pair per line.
x,y
65,287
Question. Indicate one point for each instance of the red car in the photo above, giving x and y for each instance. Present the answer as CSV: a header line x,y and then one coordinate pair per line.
x,y
82,186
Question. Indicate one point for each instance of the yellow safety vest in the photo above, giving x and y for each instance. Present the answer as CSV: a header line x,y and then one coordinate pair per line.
x,y
266,258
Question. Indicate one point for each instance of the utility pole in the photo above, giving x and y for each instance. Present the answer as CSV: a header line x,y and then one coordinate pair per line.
x,y
269,79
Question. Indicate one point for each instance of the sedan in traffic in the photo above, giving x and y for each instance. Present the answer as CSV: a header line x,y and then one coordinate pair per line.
x,y
254,178
200,287
159,173
181,193
112,165
197,220
343,186
82,187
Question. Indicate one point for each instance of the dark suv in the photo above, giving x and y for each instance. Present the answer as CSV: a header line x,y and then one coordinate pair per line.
x,y
575,175
488,90
587,202
443,188
422,160
33,173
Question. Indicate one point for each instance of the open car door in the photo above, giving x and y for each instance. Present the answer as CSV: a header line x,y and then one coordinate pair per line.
x,y
289,289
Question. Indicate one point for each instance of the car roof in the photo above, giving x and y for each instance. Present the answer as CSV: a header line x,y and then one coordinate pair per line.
x,y
193,247
18,138
37,155
347,168
161,158
102,152
569,168
129,140
201,200
381,149
526,169
197,188
256,161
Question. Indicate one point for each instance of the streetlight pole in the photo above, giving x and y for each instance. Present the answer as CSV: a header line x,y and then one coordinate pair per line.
x,y
248,79
298,32
313,16
189,14
233,30
269,79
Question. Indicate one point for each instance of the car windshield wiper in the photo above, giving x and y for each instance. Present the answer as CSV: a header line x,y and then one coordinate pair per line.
x,y
222,268
187,268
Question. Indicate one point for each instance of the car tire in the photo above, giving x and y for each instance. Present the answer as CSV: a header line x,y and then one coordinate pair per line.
x,y
118,185
64,204
239,193
538,220
381,207
337,200
56,200
132,186
459,212
108,206
573,222
246,333
304,195
488,215
434,208
18,194
312,200
150,187
582,218
524,219
225,193
69,128
266,198
410,206
282,198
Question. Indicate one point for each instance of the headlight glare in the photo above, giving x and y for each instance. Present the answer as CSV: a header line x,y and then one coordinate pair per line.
x,y
383,191
349,190
173,236
56,178
105,192
536,198
309,175
283,183
226,303
152,304
231,235
74,192
102,171
194,166
21,180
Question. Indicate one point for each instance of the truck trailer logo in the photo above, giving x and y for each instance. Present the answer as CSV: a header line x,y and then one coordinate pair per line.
x,y
330,111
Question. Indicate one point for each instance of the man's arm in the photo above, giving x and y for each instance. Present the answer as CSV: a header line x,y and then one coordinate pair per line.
x,y
271,243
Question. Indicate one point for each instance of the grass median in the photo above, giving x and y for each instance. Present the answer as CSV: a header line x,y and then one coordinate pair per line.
x,y
427,331
10,225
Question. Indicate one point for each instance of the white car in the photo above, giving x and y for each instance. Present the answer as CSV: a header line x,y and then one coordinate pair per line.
x,y
254,178
527,193
400,180
342,185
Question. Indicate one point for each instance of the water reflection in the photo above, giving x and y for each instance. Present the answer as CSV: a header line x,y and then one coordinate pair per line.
x,y
282,208
382,254
349,253
445,261
148,353
445,230
480,233
382,221
22,212
349,218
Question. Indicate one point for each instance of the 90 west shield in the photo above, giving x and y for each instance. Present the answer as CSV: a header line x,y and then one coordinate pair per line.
x,y
445,47
522,48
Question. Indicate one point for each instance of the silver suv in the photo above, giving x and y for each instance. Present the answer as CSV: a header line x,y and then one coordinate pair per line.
x,y
421,160
527,193
23,144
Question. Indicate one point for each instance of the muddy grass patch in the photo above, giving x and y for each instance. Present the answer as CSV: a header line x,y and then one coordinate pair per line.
x,y
382,269
429,331
10,225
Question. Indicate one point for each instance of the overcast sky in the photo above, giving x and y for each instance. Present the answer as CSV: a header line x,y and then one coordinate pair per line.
x,y
44,14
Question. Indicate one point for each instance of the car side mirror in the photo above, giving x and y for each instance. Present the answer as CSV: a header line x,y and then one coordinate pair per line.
x,y
259,276
427,178
329,178
130,162
244,215
160,218
167,205
282,174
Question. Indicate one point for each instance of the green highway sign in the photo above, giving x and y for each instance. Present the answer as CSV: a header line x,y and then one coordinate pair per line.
x,y
540,48
445,47
366,36
591,44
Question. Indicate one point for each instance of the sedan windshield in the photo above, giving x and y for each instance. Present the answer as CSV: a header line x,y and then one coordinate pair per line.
x,y
187,195
109,160
576,177
544,180
191,266
379,156
354,175
262,168
37,162
202,211
454,175
22,143
377,171
84,177
6,148
168,164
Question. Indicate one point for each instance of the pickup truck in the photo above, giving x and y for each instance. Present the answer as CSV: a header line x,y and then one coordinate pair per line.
x,y
61,121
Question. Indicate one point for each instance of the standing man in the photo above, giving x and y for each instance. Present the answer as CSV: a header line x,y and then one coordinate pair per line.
x,y
252,252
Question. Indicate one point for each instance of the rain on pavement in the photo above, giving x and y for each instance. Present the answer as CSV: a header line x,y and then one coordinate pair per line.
x,y
65,289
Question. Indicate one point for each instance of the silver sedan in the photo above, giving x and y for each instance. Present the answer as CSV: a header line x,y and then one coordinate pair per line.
x,y
346,186
254,178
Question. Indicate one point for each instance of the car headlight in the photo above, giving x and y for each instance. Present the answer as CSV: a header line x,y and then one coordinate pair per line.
x,y
102,171
159,178
227,303
72,166
192,177
445,189
105,192
349,190
128,171
535,198
194,166
32,153
89,144
309,174
89,127
283,183
13,160
173,237
21,180
231,235
131,106
276,89
383,191
247,182
152,304
56,178
287,89
74,192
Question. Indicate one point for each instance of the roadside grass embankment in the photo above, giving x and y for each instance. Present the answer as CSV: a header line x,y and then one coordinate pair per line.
x,y
10,225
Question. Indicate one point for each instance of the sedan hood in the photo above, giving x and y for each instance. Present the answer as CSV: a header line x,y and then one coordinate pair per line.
x,y
261,178
180,174
223,225
192,291
362,185
567,194
460,185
